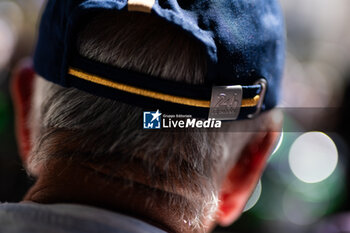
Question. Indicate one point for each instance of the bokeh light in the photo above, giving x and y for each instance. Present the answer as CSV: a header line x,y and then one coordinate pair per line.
x,y
279,143
7,43
301,212
313,157
254,198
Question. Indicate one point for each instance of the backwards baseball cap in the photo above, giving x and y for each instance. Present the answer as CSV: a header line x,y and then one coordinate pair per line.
x,y
243,42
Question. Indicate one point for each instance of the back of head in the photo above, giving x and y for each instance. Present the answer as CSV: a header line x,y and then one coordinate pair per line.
x,y
68,123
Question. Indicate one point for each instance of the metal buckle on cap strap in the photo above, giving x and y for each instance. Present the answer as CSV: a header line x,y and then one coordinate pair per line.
x,y
262,82
225,102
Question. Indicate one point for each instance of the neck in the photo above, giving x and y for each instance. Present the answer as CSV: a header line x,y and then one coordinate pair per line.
x,y
68,181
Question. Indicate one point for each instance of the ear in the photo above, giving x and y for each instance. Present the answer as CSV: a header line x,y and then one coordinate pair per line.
x,y
22,89
243,177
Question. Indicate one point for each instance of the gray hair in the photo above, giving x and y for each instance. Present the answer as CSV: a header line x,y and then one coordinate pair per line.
x,y
71,123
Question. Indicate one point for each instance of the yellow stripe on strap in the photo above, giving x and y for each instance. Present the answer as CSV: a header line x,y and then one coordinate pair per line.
x,y
250,102
141,5
151,94
139,91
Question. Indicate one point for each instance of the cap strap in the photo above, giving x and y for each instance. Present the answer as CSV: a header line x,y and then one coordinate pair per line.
x,y
219,102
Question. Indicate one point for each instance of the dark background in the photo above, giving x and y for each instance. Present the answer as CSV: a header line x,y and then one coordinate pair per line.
x,y
316,92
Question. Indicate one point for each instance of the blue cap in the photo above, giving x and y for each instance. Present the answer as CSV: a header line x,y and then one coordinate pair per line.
x,y
244,43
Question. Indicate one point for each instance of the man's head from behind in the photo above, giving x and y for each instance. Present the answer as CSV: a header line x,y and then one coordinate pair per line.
x,y
203,177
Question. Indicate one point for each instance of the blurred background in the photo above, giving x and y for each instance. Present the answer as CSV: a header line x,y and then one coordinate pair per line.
x,y
307,182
